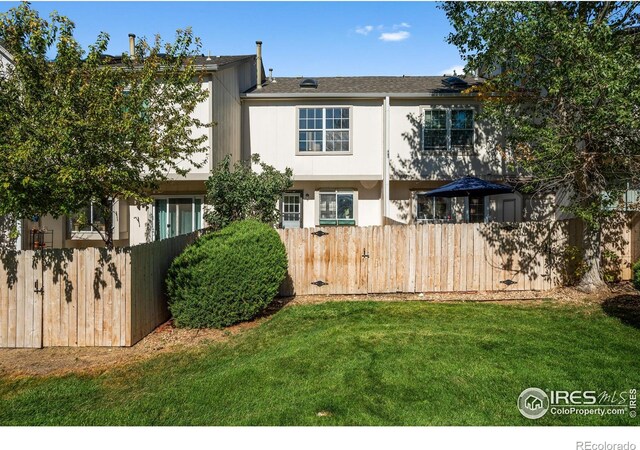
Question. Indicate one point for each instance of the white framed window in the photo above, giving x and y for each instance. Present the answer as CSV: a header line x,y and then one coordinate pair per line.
x,y
291,210
432,209
448,128
89,219
476,209
177,215
324,129
337,207
89,223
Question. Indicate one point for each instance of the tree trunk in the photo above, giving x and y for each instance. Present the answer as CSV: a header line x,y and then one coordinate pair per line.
x,y
107,213
592,280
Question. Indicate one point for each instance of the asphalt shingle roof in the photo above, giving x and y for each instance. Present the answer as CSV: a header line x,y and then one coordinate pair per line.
x,y
347,85
200,60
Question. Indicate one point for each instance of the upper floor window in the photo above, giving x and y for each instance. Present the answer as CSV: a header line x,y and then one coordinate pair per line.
x,y
323,129
448,129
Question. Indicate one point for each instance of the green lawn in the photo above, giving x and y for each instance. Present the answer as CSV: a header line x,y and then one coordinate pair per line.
x,y
364,363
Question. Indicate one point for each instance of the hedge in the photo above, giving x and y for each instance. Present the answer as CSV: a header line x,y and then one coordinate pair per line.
x,y
226,277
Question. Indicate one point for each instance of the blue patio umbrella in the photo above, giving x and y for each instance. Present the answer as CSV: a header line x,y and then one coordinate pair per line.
x,y
469,187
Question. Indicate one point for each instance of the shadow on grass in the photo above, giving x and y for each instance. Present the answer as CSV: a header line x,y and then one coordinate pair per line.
x,y
276,305
626,308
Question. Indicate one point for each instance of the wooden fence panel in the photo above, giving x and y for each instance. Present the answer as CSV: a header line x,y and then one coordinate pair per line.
x,y
94,297
437,257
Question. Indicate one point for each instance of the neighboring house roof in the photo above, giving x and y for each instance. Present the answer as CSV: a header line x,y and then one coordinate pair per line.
x,y
433,85
210,62
4,52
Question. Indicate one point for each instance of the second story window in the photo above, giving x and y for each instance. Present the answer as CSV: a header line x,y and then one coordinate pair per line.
x,y
323,129
448,129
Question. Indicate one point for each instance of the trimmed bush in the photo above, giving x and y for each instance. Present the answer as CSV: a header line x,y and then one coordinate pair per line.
x,y
636,274
227,276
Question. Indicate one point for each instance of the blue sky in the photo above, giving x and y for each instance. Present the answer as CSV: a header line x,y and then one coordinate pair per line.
x,y
299,38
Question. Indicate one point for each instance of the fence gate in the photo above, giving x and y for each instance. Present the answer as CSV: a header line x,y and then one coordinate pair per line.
x,y
349,260
326,261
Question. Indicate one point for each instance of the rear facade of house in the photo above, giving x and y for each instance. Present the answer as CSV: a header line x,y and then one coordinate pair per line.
x,y
364,151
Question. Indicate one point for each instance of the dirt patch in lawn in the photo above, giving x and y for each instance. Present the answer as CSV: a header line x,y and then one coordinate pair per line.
x,y
620,300
64,360
560,295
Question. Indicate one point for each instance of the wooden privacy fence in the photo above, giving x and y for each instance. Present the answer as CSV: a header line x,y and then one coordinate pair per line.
x,y
438,257
88,297
95,297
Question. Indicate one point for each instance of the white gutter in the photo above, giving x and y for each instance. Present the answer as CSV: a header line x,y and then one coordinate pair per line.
x,y
254,96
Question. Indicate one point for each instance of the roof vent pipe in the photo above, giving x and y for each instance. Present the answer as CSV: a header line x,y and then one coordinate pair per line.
x,y
132,45
270,74
259,64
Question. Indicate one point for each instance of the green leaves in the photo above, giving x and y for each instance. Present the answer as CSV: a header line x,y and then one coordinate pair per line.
x,y
83,126
562,87
239,193
227,276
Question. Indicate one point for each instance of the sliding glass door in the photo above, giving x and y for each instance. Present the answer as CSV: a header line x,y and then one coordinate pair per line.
x,y
176,216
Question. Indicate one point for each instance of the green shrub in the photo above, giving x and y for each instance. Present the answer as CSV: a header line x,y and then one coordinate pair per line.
x,y
636,274
227,276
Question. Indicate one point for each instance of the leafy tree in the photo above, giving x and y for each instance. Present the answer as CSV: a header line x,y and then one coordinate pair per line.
x,y
83,127
565,93
239,193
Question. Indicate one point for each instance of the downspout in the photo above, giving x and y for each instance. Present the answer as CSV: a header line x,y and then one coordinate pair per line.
x,y
211,102
385,159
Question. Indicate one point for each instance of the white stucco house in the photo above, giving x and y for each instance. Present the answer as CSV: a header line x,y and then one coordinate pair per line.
x,y
363,150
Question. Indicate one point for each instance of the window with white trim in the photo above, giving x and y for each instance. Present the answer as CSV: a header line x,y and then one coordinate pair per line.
x,y
448,129
324,129
291,210
89,219
337,208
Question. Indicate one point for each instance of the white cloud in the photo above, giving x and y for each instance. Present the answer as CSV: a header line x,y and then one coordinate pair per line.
x,y
395,37
401,25
364,30
457,69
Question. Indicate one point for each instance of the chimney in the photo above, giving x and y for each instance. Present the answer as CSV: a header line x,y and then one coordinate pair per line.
x,y
132,45
270,74
259,64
